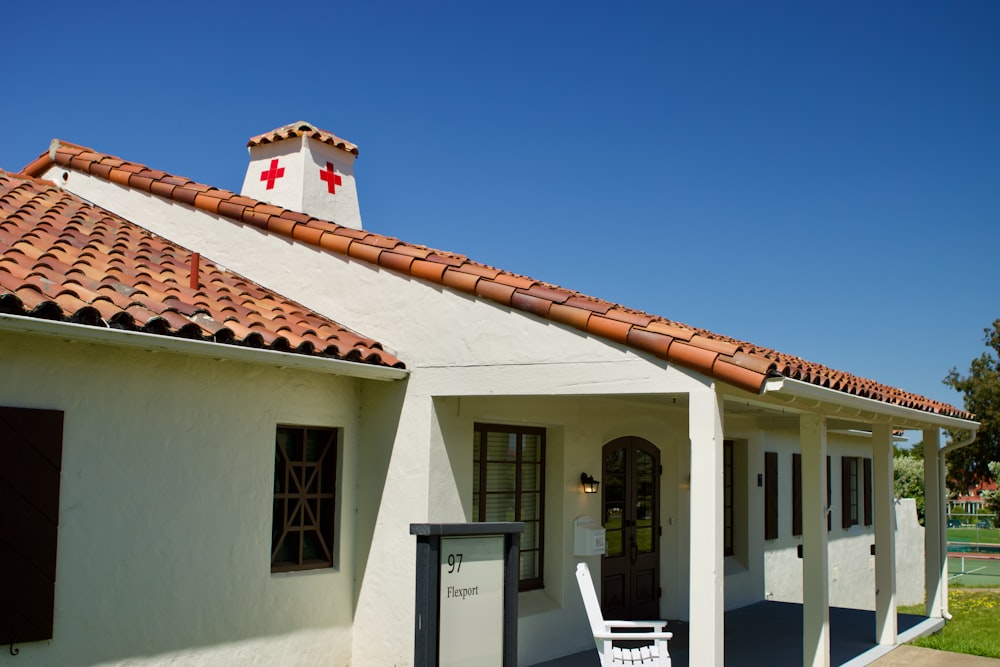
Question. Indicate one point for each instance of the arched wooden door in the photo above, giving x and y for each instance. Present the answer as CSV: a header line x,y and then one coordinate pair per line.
x,y
630,571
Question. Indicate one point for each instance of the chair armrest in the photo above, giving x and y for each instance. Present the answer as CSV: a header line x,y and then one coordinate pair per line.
x,y
634,636
656,625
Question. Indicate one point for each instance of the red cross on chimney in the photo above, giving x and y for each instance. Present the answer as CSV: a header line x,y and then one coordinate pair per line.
x,y
271,175
332,178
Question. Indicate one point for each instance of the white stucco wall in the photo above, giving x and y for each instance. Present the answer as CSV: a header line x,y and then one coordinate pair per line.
x,y
475,361
456,346
851,565
552,620
165,508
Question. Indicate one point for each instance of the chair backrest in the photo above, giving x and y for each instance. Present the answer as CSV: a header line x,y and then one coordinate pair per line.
x,y
589,595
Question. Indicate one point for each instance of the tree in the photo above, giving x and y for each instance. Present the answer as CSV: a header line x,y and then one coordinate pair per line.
x,y
908,480
991,499
969,466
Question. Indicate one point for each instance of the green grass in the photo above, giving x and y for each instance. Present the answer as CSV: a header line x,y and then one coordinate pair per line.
x,y
975,625
983,535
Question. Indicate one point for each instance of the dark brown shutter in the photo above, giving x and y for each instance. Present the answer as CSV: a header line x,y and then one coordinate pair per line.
x,y
845,491
868,492
829,495
30,463
770,495
796,494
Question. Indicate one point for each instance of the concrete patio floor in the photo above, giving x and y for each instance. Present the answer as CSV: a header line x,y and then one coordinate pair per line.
x,y
770,634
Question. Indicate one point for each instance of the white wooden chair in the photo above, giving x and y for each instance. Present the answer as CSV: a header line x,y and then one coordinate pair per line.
x,y
654,653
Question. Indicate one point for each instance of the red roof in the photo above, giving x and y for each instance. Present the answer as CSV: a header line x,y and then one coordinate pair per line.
x,y
732,361
62,258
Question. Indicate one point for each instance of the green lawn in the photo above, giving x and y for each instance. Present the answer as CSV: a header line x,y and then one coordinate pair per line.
x,y
983,535
975,625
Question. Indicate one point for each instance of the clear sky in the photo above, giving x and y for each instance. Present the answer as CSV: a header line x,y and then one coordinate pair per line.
x,y
819,178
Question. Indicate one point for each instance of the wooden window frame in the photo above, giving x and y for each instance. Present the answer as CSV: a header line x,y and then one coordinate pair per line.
x,y
303,530
770,495
481,433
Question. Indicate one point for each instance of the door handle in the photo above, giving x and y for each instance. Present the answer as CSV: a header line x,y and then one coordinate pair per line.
x,y
635,551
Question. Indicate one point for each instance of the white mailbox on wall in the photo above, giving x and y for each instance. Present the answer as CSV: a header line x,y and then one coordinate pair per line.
x,y
588,537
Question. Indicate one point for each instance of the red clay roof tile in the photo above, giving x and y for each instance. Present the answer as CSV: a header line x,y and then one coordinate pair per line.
x,y
63,258
736,362
301,129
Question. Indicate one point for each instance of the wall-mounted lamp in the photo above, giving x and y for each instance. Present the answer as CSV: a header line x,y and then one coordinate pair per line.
x,y
589,483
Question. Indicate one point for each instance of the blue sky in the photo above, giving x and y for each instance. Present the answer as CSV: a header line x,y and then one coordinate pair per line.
x,y
819,178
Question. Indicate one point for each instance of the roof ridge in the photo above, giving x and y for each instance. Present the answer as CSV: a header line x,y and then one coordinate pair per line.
x,y
299,129
736,362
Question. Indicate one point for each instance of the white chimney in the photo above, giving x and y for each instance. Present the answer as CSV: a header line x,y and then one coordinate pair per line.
x,y
305,169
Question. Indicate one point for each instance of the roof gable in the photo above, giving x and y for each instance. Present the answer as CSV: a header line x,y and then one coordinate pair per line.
x,y
729,360
62,258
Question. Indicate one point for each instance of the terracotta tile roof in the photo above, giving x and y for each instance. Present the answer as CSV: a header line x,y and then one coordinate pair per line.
x,y
299,129
732,361
62,258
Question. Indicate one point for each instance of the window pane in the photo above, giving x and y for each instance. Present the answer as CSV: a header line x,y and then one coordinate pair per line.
x,y
529,564
530,478
500,507
531,448
291,440
613,538
615,462
529,507
316,444
529,538
500,476
501,447
644,536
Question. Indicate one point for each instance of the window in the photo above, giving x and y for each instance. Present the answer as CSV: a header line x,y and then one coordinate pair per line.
x,y
770,495
305,476
507,485
856,476
727,498
30,464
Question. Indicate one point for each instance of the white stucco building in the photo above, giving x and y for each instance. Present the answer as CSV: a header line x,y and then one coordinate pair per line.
x,y
730,474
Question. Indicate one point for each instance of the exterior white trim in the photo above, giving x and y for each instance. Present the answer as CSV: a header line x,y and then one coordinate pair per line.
x,y
155,342
833,402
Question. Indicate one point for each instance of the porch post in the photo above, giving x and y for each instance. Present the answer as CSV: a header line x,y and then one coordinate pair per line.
x,y
935,546
815,565
707,600
885,535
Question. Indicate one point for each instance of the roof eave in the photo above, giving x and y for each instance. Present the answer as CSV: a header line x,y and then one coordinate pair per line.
x,y
831,401
218,351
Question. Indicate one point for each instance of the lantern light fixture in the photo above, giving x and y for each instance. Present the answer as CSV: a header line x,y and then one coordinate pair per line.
x,y
589,483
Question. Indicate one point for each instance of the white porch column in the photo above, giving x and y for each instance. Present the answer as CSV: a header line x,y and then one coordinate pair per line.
x,y
707,600
935,546
885,535
815,563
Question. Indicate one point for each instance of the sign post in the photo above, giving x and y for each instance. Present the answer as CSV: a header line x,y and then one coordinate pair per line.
x,y
466,608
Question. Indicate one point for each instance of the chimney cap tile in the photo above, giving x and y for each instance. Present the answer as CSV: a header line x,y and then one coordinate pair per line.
x,y
302,129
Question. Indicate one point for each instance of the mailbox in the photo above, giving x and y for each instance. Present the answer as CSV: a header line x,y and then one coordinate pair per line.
x,y
588,537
